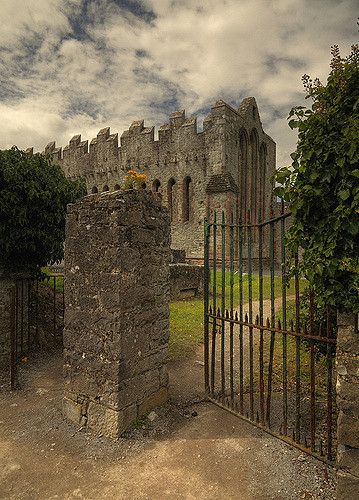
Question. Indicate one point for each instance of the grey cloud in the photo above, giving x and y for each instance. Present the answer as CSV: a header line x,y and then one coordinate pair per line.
x,y
75,66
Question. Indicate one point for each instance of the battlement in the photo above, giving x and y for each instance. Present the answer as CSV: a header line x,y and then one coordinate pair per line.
x,y
137,134
177,118
194,171
179,140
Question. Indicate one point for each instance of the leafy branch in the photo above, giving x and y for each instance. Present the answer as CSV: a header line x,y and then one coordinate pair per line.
x,y
34,195
322,185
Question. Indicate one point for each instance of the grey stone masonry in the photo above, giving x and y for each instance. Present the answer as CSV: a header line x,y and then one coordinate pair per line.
x,y
348,407
117,256
186,281
227,166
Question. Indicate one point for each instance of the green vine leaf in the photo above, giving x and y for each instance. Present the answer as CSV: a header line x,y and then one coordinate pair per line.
x,y
322,184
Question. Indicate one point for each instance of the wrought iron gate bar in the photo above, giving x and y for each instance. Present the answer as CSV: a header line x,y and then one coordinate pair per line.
x,y
223,301
269,328
284,318
282,437
279,384
253,225
24,324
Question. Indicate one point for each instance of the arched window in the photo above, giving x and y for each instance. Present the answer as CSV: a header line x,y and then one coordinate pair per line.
x,y
186,206
262,177
94,190
243,181
143,185
253,140
105,188
170,197
117,187
156,186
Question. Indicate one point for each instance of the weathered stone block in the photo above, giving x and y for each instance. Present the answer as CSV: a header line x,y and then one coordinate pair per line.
x,y
186,281
348,390
348,428
347,361
109,422
348,365
348,459
117,309
156,399
178,256
347,487
71,410
348,342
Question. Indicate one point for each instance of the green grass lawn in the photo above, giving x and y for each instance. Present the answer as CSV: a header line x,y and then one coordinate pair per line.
x,y
277,284
50,280
186,327
186,317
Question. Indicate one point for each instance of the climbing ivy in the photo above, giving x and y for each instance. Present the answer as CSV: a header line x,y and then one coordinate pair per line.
x,y
33,198
322,184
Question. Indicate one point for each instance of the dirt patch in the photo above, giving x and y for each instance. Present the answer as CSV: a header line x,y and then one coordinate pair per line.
x,y
188,449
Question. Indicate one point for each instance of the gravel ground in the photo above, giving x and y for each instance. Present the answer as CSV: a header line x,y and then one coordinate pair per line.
x,y
188,449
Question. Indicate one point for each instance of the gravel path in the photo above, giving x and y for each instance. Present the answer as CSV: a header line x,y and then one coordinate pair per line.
x,y
189,449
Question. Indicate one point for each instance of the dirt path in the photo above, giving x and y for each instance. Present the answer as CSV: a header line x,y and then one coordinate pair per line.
x,y
192,450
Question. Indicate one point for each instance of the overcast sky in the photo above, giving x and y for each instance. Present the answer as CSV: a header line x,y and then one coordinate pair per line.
x,y
75,66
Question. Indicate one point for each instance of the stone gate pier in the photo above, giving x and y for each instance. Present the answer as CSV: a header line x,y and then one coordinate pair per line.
x,y
117,309
348,407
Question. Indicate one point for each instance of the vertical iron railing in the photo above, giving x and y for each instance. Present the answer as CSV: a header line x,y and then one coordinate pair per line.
x,y
206,282
275,357
27,312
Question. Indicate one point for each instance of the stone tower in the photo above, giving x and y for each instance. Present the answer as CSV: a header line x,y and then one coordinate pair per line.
x,y
227,166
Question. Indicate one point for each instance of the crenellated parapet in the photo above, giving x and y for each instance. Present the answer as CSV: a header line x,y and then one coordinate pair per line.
x,y
227,165
78,158
104,154
53,151
138,146
179,141
75,157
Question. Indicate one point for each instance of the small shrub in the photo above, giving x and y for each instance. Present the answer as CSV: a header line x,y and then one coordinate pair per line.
x,y
134,180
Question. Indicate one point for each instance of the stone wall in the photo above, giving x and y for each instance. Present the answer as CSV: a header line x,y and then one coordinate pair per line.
x,y
186,281
347,361
116,331
229,164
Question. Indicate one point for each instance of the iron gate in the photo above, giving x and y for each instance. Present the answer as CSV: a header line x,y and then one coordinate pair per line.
x,y
37,315
269,351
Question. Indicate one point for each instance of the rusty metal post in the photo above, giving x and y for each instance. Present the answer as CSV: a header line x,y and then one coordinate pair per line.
x,y
13,360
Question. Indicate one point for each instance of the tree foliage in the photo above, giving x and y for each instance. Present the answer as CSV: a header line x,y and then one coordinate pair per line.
x,y
34,194
322,185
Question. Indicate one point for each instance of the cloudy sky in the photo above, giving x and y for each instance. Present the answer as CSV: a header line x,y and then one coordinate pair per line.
x,y
75,66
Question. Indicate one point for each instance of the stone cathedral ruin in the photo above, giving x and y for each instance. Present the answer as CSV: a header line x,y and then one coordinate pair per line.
x,y
227,166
